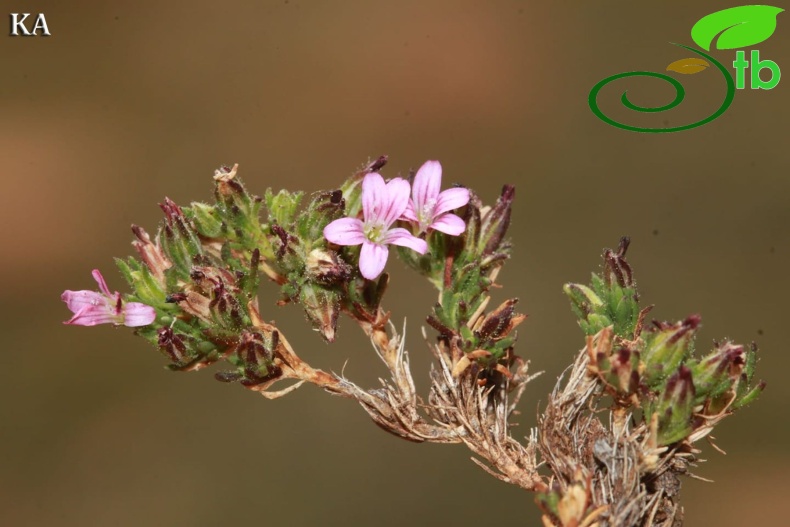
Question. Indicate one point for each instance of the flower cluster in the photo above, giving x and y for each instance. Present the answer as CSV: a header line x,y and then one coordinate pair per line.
x,y
384,203
194,296
422,205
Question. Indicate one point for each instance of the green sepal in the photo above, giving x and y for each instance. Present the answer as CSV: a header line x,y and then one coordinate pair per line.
x,y
282,207
147,288
675,407
322,306
666,347
324,208
205,218
749,395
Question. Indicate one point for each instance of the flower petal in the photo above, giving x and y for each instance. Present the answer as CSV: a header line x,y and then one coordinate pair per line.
x,y
397,199
76,301
373,196
409,214
137,314
449,224
345,231
450,199
372,259
102,284
92,315
427,183
404,238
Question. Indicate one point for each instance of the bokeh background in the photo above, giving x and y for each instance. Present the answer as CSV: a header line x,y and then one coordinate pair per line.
x,y
129,102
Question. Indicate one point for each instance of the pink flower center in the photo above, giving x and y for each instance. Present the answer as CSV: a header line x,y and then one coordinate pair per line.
x,y
374,232
425,214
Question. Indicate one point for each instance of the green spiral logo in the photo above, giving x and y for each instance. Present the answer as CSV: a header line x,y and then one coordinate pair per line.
x,y
680,94
731,28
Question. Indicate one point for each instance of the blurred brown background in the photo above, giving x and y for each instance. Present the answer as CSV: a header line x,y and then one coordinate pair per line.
x,y
130,102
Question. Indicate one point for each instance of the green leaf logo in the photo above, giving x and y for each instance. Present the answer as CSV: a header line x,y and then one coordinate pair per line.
x,y
739,27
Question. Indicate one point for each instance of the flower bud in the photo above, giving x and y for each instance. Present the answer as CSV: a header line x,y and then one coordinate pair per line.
x,y
287,242
193,303
151,253
227,184
473,219
375,165
495,222
185,351
624,374
372,294
217,286
173,345
675,407
207,277
256,361
666,347
179,241
717,372
225,306
616,269
248,281
612,299
326,267
231,195
220,286
239,212
322,307
498,324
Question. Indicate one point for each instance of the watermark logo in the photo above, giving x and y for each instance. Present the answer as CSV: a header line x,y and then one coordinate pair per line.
x,y
22,27
737,27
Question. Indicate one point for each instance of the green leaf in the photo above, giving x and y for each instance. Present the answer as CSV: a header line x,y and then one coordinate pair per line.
x,y
738,27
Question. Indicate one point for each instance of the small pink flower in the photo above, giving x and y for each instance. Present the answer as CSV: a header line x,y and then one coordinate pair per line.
x,y
382,204
91,308
429,208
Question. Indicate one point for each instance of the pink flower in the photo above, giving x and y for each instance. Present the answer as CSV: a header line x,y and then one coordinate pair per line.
x,y
429,208
91,308
382,204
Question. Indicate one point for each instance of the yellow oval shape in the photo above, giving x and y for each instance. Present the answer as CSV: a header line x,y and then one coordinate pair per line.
x,y
688,66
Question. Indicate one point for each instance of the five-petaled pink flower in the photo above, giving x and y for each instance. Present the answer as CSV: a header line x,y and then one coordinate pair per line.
x,y
429,208
91,307
382,204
